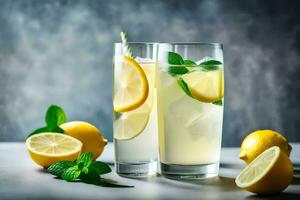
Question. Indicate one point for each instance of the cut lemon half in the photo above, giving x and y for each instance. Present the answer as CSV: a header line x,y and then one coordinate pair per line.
x,y
131,86
270,172
206,86
131,124
48,148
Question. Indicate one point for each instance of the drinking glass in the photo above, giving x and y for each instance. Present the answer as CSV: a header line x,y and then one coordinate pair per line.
x,y
135,109
190,85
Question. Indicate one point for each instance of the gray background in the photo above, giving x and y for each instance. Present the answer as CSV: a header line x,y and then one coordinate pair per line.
x,y
60,52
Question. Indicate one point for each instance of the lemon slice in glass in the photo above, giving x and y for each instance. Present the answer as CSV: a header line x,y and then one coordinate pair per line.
x,y
131,124
206,86
270,172
131,86
48,148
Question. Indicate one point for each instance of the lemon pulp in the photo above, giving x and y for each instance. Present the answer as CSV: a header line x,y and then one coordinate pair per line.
x,y
48,148
206,86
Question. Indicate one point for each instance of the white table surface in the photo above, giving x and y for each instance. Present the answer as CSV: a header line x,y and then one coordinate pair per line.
x,y
20,178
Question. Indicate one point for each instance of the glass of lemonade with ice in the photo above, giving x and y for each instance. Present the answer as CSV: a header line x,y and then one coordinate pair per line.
x,y
190,85
135,109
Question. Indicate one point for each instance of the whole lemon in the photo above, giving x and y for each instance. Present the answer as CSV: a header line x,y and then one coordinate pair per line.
x,y
88,134
260,140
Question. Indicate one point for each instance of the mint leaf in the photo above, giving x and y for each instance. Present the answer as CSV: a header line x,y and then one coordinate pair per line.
x,y
117,115
100,167
71,174
39,130
58,168
218,102
174,59
85,158
55,116
211,62
56,129
210,65
178,70
189,62
69,171
184,86
92,177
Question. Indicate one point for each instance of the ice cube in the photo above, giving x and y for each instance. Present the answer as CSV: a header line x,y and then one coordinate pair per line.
x,y
209,124
143,60
185,108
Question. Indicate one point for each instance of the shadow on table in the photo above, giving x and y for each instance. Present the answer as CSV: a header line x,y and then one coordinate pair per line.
x,y
217,183
42,170
281,196
296,180
222,183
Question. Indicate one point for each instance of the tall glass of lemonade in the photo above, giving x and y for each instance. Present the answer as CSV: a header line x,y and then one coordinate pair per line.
x,y
135,109
190,82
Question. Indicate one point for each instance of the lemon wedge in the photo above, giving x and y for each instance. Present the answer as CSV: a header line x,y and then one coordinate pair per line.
x,y
206,86
131,86
271,172
48,148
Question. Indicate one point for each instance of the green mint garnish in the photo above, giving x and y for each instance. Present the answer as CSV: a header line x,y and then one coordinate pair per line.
x,y
180,69
84,169
100,167
175,59
55,116
71,174
219,102
86,159
128,51
182,84
57,169
189,62
210,65
173,71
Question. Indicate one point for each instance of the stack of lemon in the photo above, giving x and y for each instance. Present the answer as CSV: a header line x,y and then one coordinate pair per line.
x,y
48,148
269,168
133,97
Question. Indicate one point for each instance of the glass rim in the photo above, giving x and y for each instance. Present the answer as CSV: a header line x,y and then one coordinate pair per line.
x,y
120,43
215,44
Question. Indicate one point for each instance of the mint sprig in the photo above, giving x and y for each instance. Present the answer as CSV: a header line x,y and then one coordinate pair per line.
x,y
175,59
181,64
218,102
210,65
183,85
55,116
84,169
181,67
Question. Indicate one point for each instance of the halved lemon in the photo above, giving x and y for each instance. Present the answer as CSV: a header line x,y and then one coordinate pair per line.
x,y
206,86
131,86
270,172
48,148
131,124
